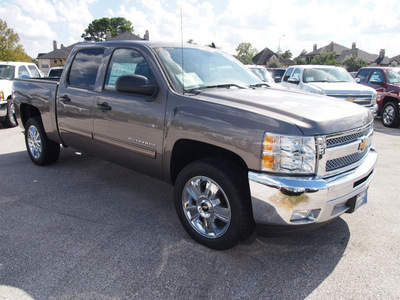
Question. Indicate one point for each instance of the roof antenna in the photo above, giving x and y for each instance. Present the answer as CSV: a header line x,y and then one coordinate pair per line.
x,y
183,77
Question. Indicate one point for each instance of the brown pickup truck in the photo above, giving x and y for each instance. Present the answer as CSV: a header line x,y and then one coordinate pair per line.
x,y
386,82
238,152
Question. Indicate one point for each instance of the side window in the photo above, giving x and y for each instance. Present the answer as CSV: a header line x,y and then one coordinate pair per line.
x,y
287,74
123,62
23,72
296,74
34,71
376,76
84,68
363,75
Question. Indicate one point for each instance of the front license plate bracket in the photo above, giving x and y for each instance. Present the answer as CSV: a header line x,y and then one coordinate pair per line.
x,y
357,201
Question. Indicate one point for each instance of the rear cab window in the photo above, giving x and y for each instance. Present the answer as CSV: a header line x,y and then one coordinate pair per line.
x,y
84,68
34,71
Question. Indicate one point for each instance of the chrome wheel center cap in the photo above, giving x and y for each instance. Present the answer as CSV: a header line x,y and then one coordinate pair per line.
x,y
205,208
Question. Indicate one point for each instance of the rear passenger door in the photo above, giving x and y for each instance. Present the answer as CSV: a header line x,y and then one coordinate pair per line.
x,y
75,99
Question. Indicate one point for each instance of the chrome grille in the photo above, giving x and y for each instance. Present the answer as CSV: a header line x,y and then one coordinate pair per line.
x,y
359,99
338,163
345,150
347,138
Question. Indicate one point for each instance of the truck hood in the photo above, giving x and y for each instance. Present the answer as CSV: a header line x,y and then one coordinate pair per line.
x,y
312,114
393,86
339,88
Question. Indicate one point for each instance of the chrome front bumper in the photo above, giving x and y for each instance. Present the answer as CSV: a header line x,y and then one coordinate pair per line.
x,y
284,201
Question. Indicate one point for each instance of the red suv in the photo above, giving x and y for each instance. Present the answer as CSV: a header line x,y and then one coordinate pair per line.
x,y
386,82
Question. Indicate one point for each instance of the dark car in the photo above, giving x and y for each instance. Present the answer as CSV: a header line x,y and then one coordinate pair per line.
x,y
276,73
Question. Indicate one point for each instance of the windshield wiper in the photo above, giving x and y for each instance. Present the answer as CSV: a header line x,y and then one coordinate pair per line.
x,y
225,85
259,85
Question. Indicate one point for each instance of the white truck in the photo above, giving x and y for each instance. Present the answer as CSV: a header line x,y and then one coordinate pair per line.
x,y
8,71
330,81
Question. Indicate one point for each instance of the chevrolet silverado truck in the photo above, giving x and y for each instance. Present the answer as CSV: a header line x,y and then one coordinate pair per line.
x,y
241,155
330,81
386,82
8,71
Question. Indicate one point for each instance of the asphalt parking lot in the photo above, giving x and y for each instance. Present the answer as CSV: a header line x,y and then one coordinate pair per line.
x,y
86,229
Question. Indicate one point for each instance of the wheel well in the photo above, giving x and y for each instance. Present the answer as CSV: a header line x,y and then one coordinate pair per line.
x,y
388,99
187,151
27,112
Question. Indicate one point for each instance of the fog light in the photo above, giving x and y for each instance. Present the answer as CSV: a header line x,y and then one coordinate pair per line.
x,y
305,216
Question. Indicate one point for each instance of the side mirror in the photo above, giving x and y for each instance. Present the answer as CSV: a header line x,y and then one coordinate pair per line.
x,y
293,80
136,84
376,82
357,80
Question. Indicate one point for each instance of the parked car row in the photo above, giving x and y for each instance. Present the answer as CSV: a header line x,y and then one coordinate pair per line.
x,y
9,70
378,88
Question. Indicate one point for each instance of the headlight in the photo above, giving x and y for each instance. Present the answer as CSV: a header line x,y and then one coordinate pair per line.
x,y
289,154
373,99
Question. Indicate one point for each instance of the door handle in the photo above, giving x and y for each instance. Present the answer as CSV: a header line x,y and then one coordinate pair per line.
x,y
104,106
64,99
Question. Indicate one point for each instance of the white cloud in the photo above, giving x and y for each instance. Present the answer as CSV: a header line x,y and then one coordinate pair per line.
x,y
372,25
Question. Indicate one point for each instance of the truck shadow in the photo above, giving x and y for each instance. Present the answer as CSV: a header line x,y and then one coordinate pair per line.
x,y
90,229
379,127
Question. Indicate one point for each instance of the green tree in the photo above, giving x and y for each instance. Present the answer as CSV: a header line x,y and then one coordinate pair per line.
x,y
10,49
353,64
325,58
96,31
299,60
245,53
287,54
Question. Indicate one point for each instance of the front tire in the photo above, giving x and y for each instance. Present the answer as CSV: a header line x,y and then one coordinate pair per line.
x,y
41,150
390,114
212,200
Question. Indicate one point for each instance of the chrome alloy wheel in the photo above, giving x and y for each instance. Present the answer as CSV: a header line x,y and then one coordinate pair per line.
x,y
388,115
34,142
206,207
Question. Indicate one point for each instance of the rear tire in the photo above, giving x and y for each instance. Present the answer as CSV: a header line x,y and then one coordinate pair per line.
x,y
41,150
212,200
10,120
390,114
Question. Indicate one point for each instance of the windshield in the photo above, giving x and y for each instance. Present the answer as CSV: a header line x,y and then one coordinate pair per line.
x,y
327,75
392,76
7,72
262,73
204,68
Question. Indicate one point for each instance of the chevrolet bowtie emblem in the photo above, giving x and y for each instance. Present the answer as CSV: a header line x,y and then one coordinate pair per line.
x,y
363,145
350,99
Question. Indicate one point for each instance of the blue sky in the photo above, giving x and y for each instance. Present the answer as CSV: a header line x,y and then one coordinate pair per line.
x,y
294,25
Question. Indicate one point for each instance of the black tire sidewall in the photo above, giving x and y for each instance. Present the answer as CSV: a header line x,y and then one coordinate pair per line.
x,y
50,150
396,120
10,116
231,182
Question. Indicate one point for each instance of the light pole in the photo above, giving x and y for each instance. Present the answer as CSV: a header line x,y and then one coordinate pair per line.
x,y
279,47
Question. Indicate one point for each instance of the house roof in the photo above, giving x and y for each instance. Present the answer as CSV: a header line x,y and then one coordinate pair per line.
x,y
357,53
331,47
265,55
126,36
61,53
